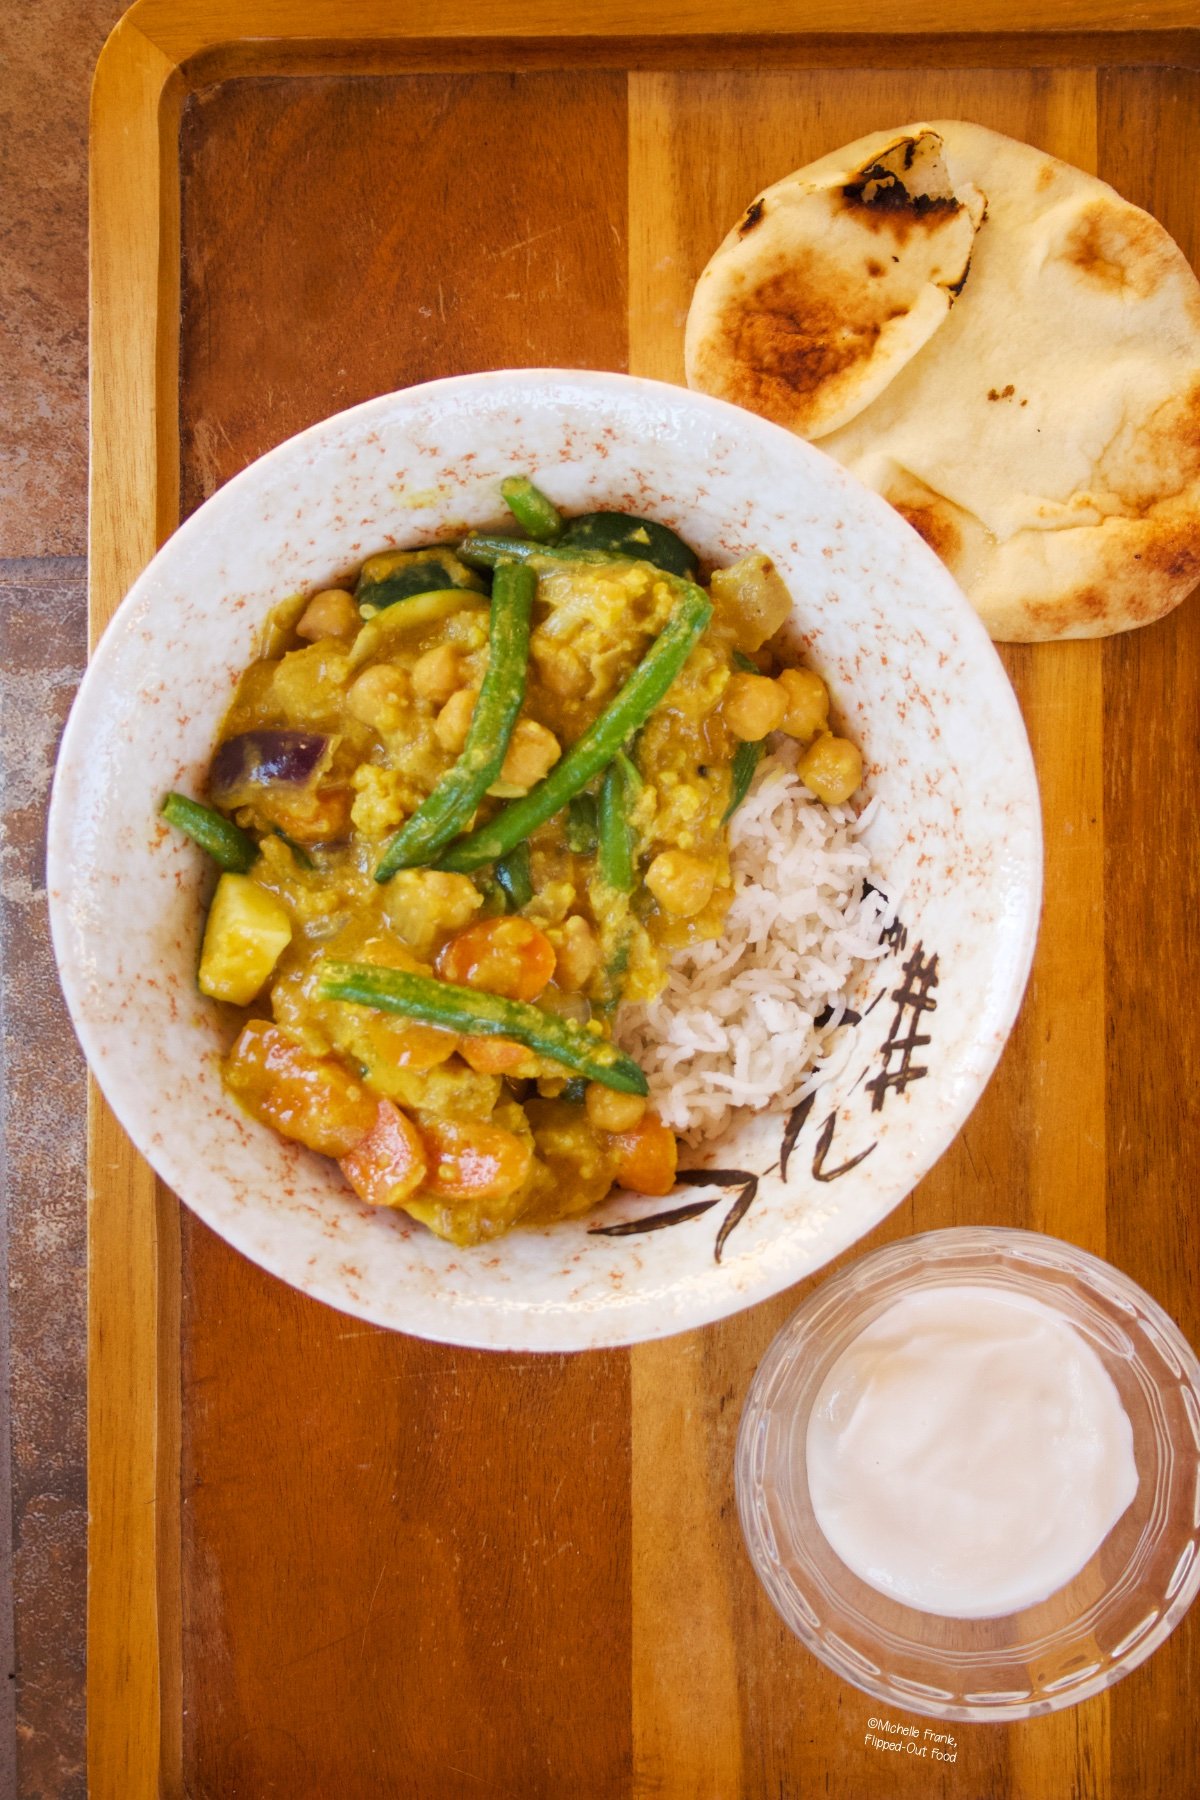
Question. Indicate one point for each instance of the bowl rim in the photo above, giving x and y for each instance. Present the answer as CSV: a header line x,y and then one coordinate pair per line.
x,y
865,1272
470,1323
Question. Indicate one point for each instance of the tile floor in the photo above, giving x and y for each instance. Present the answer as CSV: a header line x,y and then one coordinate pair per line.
x,y
48,50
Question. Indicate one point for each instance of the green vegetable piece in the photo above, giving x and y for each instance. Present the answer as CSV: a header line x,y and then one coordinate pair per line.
x,y
624,715
531,509
428,572
298,851
575,1090
219,836
747,756
615,856
383,629
614,973
480,1014
453,801
582,826
746,759
514,876
624,534
484,549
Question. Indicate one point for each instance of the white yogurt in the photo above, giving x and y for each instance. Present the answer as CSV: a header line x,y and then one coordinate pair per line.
x,y
969,1452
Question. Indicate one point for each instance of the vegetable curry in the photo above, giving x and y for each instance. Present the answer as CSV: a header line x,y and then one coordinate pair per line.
x,y
466,807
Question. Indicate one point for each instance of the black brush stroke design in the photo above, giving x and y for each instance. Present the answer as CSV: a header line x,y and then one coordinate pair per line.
x,y
736,1214
915,996
741,1179
656,1221
824,1145
796,1121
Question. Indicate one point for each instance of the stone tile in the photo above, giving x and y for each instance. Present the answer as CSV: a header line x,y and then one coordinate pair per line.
x,y
48,51
42,643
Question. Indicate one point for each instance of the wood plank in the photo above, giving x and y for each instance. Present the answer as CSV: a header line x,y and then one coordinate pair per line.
x,y
723,1700
759,1714
1151,904
133,1262
403,1563
184,31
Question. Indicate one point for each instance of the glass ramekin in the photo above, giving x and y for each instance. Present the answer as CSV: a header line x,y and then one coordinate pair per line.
x,y
1085,1637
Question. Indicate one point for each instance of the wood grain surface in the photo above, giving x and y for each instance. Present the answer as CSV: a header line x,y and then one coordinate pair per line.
x,y
411,1570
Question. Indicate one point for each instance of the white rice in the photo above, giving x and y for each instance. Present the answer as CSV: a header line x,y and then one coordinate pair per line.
x,y
735,1025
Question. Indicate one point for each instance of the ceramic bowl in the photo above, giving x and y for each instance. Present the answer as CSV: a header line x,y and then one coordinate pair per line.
x,y
956,836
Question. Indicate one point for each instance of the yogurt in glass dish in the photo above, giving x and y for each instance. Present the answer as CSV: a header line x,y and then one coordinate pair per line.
x,y
968,1474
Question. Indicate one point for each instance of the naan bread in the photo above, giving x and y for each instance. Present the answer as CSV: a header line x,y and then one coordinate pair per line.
x,y
1045,437
831,282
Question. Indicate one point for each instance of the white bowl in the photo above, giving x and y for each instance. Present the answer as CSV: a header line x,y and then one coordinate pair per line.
x,y
919,687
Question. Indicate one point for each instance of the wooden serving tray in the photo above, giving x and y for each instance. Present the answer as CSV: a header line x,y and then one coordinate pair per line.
x,y
326,1560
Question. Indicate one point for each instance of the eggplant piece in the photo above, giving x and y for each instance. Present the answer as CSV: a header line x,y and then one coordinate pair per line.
x,y
244,765
624,534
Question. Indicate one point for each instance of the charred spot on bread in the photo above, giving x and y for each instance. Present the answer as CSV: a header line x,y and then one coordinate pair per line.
x,y
955,288
904,188
939,532
751,217
1120,248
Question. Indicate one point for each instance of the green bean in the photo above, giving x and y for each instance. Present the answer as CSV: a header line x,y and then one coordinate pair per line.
x,y
480,1014
531,509
746,759
453,801
624,715
615,853
220,837
614,971
513,874
485,549
581,824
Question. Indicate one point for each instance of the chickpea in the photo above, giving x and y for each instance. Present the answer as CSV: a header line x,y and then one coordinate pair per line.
x,y
329,614
807,703
608,1110
532,753
454,721
753,706
681,884
377,697
832,768
577,954
437,674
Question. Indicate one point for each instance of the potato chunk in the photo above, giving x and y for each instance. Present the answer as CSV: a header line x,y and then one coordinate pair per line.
x,y
247,932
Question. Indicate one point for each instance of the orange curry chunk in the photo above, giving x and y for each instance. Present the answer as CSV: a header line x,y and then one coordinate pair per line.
x,y
387,1165
504,956
470,1160
313,1099
646,1157
496,1056
311,816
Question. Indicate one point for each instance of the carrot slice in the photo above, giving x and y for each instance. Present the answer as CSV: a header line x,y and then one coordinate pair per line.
x,y
389,1163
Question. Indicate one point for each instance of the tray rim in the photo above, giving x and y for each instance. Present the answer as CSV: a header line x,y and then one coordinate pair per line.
x,y
159,53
